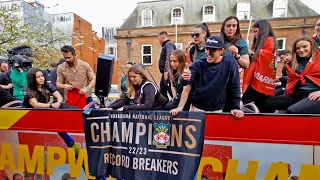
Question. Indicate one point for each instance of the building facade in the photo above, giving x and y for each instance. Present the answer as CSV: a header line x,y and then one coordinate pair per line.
x,y
109,33
86,42
137,38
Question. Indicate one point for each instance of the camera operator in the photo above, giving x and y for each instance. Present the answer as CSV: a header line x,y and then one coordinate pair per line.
x,y
5,81
18,77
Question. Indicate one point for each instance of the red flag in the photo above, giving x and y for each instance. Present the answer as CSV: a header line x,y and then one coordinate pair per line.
x,y
312,72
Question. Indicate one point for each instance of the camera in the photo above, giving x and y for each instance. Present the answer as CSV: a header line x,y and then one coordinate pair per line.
x,y
19,61
18,57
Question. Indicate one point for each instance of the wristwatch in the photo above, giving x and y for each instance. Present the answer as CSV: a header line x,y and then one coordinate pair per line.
x,y
237,57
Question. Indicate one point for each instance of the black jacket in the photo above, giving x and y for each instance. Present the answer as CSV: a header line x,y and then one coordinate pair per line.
x,y
5,97
284,77
147,98
46,74
167,48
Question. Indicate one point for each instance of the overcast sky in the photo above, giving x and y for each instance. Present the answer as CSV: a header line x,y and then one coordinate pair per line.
x,y
108,12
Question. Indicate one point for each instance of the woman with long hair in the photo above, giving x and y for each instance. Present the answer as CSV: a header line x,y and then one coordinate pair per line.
x,y
235,45
177,63
259,78
196,47
302,94
38,96
38,91
141,91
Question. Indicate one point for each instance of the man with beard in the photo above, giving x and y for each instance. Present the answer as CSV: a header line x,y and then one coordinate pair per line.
x,y
75,74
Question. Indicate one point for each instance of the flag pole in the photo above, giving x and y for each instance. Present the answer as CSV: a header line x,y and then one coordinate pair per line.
x,y
247,39
176,31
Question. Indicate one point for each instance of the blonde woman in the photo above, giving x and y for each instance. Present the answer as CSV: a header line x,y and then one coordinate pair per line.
x,y
303,88
141,91
177,63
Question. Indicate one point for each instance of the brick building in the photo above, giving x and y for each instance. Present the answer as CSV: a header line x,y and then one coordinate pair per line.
x,y
86,42
137,38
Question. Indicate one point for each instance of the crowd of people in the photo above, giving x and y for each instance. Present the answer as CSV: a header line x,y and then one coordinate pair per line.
x,y
204,77
30,176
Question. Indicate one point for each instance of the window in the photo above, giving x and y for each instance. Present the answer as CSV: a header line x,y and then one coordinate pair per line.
x,y
280,8
177,16
208,10
208,13
281,43
147,54
243,10
179,46
146,17
110,51
62,18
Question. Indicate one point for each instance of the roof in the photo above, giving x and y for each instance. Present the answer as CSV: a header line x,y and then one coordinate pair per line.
x,y
260,9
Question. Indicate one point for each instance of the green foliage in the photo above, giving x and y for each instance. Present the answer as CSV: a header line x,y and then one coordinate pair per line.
x,y
41,37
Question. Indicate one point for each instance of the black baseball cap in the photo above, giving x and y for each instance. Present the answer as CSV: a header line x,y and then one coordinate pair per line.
x,y
214,42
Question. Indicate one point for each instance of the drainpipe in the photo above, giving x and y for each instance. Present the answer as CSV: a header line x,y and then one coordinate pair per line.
x,y
80,20
128,46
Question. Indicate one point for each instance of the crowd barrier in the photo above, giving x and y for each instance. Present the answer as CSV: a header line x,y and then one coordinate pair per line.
x,y
254,147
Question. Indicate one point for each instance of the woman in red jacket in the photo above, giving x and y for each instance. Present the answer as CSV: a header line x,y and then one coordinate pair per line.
x,y
259,79
303,88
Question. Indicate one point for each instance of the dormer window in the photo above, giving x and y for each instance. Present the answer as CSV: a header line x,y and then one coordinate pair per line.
x,y
280,8
177,16
243,10
146,17
208,13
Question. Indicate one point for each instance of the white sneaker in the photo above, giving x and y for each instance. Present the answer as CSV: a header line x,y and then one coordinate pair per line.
x,y
250,108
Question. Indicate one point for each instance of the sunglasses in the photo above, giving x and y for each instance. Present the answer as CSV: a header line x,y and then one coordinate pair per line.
x,y
195,35
131,63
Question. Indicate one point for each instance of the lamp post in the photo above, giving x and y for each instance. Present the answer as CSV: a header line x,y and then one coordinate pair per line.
x,y
176,30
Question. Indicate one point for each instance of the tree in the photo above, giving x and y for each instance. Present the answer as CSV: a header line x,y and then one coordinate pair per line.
x,y
42,37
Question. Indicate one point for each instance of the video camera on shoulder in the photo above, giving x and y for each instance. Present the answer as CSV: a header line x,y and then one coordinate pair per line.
x,y
19,57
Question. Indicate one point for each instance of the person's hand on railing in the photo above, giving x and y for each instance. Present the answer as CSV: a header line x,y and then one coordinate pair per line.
x,y
108,109
56,105
238,114
175,111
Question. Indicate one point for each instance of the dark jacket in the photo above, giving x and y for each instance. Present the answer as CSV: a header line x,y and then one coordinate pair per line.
x,y
147,98
167,48
284,77
196,53
53,76
5,80
46,74
5,97
214,83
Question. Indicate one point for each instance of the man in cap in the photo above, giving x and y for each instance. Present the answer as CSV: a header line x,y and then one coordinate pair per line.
x,y
214,80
